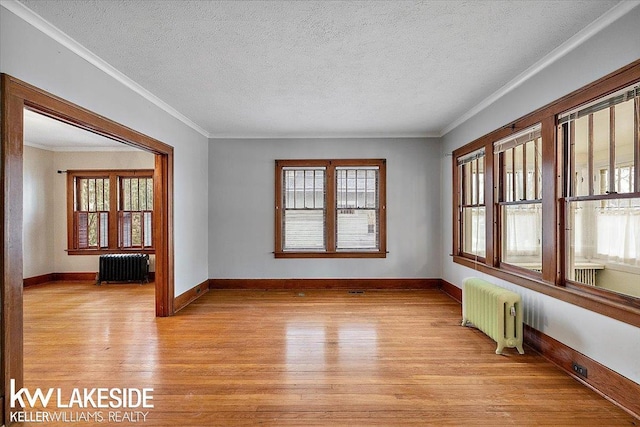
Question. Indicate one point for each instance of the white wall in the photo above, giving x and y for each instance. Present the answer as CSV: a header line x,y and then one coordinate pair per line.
x,y
613,343
28,54
38,226
241,213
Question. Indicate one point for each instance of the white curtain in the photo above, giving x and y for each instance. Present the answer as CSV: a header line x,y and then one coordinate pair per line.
x,y
523,230
618,231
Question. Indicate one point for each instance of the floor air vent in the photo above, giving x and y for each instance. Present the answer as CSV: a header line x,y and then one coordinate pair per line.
x,y
356,292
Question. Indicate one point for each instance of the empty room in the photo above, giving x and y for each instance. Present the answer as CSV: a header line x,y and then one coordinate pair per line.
x,y
220,213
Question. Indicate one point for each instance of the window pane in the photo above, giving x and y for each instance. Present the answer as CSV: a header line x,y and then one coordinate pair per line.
x,y
473,238
474,182
522,235
600,151
304,229
604,244
104,229
467,187
83,201
518,164
148,230
580,173
372,186
319,188
105,182
357,229
480,172
126,194
531,179
507,157
624,122
150,194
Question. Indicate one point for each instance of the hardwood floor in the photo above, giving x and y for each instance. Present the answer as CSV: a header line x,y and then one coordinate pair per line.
x,y
286,358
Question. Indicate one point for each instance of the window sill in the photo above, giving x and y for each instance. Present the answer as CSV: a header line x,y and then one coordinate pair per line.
x,y
108,251
330,254
626,310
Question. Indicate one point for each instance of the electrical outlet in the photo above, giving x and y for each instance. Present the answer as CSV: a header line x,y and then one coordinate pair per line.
x,y
579,369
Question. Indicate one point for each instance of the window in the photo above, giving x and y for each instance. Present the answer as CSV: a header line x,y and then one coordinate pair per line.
x,y
603,199
330,208
519,161
109,211
558,208
135,212
472,205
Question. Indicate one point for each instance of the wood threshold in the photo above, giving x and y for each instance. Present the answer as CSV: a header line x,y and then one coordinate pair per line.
x,y
611,385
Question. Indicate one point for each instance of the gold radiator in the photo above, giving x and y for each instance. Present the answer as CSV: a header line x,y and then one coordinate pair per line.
x,y
495,311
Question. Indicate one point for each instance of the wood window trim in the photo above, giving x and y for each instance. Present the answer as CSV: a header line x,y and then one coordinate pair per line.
x,y
114,176
330,201
552,283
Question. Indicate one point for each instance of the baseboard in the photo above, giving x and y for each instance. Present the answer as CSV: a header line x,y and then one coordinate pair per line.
x,y
183,300
452,290
63,277
38,280
346,284
611,385
67,277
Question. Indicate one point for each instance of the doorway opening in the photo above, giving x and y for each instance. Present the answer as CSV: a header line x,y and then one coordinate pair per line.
x,y
17,95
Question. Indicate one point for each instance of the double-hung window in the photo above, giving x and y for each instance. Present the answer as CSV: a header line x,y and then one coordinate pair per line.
x,y
519,177
109,211
472,207
330,208
602,204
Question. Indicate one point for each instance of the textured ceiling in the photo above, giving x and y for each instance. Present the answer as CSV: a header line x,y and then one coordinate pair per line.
x,y
321,68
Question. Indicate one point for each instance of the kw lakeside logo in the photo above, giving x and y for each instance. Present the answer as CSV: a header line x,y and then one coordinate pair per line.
x,y
112,405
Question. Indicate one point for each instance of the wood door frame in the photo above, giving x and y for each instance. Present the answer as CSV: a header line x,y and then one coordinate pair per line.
x,y
15,96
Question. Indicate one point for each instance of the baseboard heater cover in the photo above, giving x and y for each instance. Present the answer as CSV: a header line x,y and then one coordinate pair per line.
x,y
123,268
495,311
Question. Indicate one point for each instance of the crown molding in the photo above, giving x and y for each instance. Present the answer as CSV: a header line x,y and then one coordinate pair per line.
x,y
219,136
612,15
56,34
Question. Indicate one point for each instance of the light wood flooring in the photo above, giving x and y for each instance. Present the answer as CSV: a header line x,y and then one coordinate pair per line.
x,y
390,358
